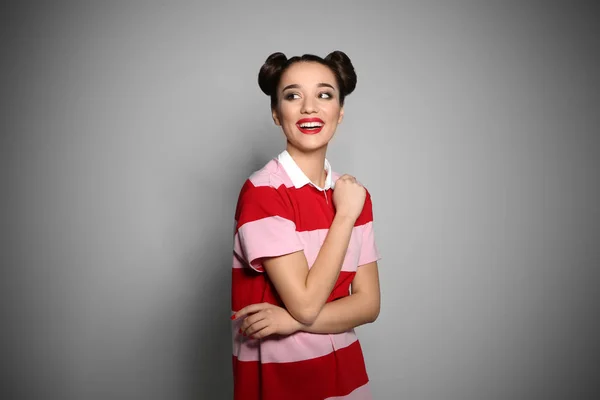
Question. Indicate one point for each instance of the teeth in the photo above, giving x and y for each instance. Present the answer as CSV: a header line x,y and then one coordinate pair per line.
x,y
311,124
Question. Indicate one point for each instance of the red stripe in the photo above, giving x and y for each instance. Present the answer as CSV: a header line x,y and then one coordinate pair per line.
x,y
367,212
342,286
260,202
307,207
336,374
246,380
251,287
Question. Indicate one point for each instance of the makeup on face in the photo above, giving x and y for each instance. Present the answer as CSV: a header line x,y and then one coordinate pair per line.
x,y
296,86
310,126
308,108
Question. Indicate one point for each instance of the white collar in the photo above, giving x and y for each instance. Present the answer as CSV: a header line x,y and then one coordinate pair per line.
x,y
298,177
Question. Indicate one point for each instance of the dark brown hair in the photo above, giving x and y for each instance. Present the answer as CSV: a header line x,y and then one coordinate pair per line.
x,y
276,64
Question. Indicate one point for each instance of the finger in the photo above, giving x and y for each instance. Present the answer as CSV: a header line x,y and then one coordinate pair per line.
x,y
257,326
248,321
263,333
252,308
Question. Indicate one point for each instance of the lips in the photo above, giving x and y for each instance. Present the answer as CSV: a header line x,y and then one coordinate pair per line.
x,y
310,126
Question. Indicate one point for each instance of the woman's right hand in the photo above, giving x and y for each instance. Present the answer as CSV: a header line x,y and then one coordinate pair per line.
x,y
348,197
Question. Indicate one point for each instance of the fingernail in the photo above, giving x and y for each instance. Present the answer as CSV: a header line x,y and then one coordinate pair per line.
x,y
239,331
233,317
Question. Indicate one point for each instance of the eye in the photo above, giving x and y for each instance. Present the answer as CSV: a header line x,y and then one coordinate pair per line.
x,y
292,96
325,95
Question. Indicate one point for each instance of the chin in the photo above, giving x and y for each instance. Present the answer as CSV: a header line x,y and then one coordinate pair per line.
x,y
306,142
312,144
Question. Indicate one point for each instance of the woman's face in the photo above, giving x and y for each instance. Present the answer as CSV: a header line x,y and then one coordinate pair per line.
x,y
308,108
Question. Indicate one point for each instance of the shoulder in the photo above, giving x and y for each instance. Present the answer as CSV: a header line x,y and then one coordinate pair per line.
x,y
272,175
336,175
366,214
264,185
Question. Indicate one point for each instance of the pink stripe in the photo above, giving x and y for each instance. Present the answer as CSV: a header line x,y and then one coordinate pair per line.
x,y
237,263
283,176
266,237
272,175
299,346
361,393
262,177
313,240
368,251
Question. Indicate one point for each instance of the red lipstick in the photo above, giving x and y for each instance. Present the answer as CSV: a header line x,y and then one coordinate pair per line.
x,y
310,126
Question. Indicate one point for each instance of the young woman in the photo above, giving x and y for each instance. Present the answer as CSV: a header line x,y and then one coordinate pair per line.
x,y
303,237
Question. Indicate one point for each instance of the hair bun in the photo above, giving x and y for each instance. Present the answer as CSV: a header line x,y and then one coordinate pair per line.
x,y
270,71
343,67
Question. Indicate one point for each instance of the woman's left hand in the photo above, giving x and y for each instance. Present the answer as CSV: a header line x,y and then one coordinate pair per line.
x,y
264,319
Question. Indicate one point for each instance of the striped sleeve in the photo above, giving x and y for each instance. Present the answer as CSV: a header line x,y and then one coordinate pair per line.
x,y
265,225
368,251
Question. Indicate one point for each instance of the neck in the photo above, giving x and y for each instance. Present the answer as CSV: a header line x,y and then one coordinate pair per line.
x,y
311,164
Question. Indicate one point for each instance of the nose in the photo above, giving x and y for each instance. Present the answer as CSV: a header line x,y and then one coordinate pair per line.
x,y
308,106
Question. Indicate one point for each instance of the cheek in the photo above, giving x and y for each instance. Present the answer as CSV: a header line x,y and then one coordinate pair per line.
x,y
286,113
332,111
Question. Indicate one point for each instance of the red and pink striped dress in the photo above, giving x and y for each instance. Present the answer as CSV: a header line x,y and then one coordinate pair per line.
x,y
280,211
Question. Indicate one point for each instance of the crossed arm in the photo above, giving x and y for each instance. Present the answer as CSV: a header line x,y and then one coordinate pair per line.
x,y
304,291
361,307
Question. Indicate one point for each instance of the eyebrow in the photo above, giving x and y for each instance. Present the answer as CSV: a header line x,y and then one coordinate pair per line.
x,y
296,86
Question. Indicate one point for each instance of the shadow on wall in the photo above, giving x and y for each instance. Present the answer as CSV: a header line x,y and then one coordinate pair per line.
x,y
208,353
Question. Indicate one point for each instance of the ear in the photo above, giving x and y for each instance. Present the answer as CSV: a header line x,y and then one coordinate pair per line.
x,y
275,117
341,115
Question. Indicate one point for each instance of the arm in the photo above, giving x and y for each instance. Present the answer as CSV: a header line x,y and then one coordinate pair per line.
x,y
266,239
361,307
304,291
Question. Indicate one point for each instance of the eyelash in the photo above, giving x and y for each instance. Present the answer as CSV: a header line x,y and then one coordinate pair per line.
x,y
290,96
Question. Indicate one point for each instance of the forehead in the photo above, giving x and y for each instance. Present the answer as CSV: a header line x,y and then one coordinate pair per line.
x,y
307,74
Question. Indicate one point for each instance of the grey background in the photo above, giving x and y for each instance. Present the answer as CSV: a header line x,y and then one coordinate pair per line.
x,y
129,127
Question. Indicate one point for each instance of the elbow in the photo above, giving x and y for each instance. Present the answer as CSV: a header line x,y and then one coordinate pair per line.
x,y
373,314
304,310
306,316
